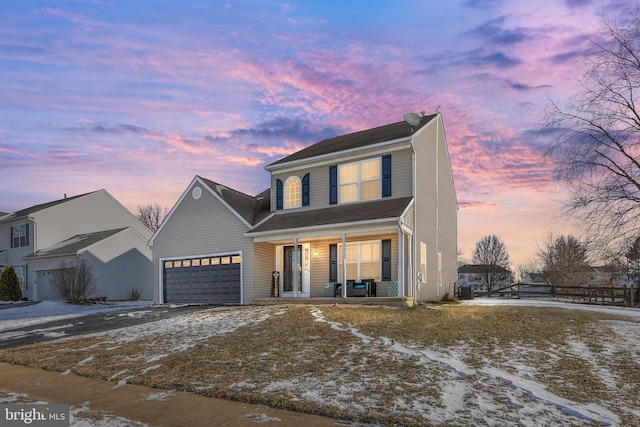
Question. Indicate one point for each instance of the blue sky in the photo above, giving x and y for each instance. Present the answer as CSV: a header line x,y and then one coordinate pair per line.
x,y
138,97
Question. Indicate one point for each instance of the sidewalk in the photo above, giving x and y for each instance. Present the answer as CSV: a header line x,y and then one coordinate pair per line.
x,y
130,401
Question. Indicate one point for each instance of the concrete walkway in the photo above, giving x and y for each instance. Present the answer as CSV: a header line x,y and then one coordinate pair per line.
x,y
131,401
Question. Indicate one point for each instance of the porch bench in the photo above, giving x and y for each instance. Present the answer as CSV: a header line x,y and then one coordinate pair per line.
x,y
338,290
360,289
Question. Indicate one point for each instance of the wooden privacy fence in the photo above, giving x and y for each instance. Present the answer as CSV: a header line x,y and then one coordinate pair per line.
x,y
607,295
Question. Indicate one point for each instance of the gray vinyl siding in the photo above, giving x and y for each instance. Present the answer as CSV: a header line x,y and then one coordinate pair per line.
x,y
203,227
401,178
95,211
122,263
263,267
425,211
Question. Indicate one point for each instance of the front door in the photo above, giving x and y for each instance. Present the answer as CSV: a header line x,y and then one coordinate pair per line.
x,y
292,265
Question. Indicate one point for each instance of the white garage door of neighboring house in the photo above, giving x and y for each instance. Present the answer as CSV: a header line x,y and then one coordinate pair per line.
x,y
203,280
43,289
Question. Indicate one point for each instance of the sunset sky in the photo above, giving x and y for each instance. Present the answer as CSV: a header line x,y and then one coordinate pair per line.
x,y
138,97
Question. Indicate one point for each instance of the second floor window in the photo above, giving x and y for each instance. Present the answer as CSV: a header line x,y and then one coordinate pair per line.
x,y
20,235
292,192
359,181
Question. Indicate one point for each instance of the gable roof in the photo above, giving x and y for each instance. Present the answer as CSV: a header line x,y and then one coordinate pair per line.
x,y
36,208
355,140
252,209
340,214
73,245
248,209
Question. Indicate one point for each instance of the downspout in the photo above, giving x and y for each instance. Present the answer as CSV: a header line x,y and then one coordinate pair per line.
x,y
415,214
438,270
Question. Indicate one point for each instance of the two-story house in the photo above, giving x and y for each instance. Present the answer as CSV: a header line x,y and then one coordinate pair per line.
x,y
371,213
92,226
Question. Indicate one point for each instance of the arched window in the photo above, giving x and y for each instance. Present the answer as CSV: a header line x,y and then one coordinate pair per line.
x,y
292,192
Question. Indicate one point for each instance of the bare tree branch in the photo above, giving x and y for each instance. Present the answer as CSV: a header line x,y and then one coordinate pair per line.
x,y
151,215
596,147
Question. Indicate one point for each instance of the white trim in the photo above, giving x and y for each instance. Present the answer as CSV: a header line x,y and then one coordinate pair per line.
x,y
161,262
343,155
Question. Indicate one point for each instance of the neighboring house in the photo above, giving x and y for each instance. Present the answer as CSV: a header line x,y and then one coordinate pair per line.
x,y
472,275
92,226
385,194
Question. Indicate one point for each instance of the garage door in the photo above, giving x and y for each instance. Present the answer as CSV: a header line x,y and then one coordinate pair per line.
x,y
43,290
203,280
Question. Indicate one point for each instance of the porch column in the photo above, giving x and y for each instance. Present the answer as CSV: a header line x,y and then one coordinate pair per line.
x,y
410,278
295,266
344,265
400,263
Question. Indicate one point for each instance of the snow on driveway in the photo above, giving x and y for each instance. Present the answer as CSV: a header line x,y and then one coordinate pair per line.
x,y
49,311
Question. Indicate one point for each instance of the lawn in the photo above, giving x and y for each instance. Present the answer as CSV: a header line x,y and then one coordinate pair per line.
x,y
430,365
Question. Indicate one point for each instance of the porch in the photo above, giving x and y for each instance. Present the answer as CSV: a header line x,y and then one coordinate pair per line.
x,y
374,266
388,301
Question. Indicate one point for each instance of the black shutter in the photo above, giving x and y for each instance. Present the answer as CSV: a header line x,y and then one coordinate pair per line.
x,y
333,263
386,175
333,185
305,190
26,226
12,237
386,260
279,197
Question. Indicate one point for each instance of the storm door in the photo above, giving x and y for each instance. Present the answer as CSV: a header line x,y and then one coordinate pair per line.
x,y
292,265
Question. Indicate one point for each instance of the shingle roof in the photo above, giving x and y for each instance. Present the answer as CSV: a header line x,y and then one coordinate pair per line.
x,y
27,211
379,209
252,209
74,244
355,140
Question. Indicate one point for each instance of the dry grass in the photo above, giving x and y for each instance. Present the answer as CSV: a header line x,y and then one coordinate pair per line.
x,y
294,362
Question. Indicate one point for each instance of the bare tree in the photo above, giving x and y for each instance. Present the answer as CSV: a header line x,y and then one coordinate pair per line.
x,y
73,281
596,148
151,215
492,259
564,261
632,256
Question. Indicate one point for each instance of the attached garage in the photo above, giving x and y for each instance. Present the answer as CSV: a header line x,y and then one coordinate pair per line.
x,y
203,280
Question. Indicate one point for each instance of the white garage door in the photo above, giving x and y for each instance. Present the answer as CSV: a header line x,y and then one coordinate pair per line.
x,y
43,289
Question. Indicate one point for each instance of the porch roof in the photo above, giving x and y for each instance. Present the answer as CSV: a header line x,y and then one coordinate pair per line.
x,y
389,209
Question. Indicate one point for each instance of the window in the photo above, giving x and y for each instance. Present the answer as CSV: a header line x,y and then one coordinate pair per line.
x,y
20,235
423,262
363,260
359,181
292,192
